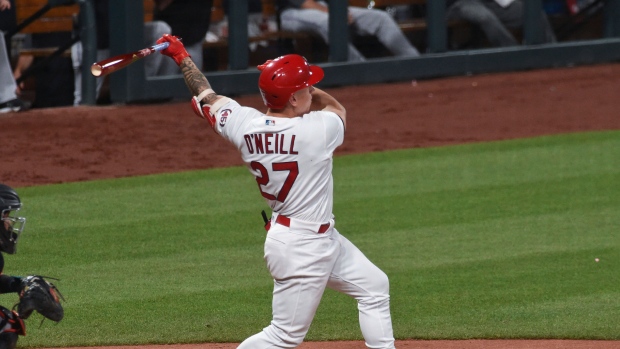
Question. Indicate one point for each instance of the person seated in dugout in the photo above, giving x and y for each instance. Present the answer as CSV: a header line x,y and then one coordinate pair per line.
x,y
312,16
496,19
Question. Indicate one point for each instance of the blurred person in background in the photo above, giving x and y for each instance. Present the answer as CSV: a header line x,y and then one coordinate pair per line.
x,y
495,18
312,16
53,76
259,24
189,20
154,66
8,88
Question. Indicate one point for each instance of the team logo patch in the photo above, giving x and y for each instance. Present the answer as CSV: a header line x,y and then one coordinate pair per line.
x,y
224,116
270,122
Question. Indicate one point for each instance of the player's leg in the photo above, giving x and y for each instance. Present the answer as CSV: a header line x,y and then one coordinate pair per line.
x,y
381,25
512,17
314,22
7,81
306,21
356,276
476,12
299,264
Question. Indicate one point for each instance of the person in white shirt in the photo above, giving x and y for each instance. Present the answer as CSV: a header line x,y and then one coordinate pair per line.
x,y
496,19
289,150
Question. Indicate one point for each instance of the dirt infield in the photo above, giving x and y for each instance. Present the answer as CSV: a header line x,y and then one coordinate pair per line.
x,y
77,144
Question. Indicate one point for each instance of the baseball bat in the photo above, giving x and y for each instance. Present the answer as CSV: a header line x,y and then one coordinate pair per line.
x,y
115,63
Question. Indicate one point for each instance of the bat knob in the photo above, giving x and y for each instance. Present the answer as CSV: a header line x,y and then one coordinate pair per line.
x,y
96,69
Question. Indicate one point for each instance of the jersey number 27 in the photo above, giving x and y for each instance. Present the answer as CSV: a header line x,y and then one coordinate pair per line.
x,y
263,179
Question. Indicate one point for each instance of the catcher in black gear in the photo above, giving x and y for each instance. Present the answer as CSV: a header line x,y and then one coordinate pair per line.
x,y
35,292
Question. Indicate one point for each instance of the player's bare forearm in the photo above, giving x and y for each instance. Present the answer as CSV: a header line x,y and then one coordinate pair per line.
x,y
195,80
322,100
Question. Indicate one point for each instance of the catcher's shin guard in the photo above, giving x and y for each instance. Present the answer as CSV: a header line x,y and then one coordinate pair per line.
x,y
8,340
10,322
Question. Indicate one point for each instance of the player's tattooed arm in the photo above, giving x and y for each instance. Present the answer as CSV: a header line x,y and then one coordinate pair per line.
x,y
196,81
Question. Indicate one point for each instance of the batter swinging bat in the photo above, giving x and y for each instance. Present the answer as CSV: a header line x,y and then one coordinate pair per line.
x,y
115,63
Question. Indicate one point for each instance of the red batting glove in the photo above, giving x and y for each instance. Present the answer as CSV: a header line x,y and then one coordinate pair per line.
x,y
176,50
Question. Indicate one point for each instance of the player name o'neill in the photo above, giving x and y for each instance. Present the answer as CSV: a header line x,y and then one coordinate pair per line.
x,y
269,143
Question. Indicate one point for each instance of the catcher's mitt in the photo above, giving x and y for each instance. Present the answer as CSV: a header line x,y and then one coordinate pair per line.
x,y
40,295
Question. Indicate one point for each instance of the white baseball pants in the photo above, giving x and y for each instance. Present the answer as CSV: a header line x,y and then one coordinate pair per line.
x,y
302,263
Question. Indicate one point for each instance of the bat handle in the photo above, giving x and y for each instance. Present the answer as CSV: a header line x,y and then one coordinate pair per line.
x,y
159,47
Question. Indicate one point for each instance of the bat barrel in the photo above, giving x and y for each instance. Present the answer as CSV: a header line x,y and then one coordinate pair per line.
x,y
115,63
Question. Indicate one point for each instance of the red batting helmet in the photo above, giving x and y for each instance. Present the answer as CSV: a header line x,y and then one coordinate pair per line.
x,y
285,75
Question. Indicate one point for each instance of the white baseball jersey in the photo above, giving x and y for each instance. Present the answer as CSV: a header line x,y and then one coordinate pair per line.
x,y
291,158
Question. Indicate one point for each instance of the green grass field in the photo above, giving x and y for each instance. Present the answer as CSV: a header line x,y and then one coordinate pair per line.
x,y
490,240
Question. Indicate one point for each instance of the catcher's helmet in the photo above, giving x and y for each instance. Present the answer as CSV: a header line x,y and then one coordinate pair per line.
x,y
11,224
285,75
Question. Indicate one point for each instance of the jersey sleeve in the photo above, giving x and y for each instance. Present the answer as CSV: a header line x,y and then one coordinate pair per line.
x,y
334,130
228,119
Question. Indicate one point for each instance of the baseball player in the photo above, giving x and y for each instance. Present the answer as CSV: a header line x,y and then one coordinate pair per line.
x,y
289,151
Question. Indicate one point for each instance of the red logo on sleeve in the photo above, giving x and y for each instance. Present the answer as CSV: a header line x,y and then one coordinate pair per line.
x,y
224,116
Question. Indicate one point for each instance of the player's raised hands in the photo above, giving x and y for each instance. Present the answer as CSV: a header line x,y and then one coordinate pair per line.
x,y
176,50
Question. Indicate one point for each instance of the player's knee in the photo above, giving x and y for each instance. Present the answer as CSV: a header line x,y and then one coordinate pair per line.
x,y
379,291
382,284
381,16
